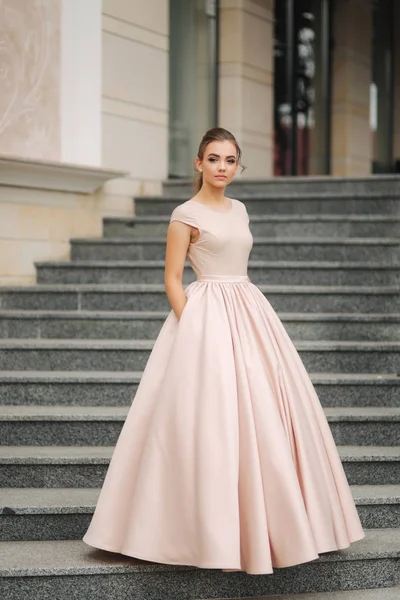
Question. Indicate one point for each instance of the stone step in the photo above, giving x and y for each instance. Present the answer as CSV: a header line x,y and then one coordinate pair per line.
x,y
101,426
152,297
391,593
65,514
271,249
58,569
289,204
86,466
339,226
132,355
348,187
93,388
147,325
261,272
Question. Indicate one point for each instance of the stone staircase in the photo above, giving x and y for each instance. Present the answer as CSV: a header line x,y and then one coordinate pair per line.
x,y
72,349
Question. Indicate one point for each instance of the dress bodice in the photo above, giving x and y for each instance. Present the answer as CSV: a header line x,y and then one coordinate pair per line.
x,y
225,240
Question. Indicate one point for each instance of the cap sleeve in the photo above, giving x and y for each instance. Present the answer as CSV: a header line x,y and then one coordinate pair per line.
x,y
244,209
183,214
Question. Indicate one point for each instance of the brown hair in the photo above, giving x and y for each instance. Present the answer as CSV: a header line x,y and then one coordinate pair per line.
x,y
217,134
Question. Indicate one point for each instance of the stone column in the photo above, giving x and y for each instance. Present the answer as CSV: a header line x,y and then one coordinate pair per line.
x,y
246,79
351,149
396,99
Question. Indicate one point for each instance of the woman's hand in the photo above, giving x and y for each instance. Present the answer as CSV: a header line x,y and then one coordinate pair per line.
x,y
178,241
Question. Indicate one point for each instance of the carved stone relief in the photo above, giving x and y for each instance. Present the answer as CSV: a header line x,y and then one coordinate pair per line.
x,y
30,78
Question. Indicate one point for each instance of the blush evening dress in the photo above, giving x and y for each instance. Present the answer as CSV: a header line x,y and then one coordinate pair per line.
x,y
226,459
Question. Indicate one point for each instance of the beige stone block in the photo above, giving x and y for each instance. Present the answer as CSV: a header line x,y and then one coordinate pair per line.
x,y
17,258
231,104
30,222
14,195
11,280
135,73
126,186
259,162
135,33
361,144
340,136
85,223
263,9
134,112
37,197
260,140
245,71
37,222
257,107
146,159
351,137
353,24
231,36
344,167
115,204
151,188
354,86
152,14
258,49
9,225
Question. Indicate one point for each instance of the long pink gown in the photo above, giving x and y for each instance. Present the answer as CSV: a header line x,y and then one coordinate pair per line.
x,y
226,459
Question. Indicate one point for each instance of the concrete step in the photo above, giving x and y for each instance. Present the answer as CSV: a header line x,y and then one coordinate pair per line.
x,y
86,466
151,297
261,272
127,355
65,514
58,569
288,203
101,426
348,187
271,249
147,325
91,388
270,226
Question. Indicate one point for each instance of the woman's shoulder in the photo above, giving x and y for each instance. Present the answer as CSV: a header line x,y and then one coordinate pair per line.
x,y
239,204
240,208
184,212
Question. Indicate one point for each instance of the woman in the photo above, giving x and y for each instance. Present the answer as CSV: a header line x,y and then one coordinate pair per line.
x,y
226,459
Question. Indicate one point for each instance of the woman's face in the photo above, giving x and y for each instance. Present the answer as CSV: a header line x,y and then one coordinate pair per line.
x,y
219,163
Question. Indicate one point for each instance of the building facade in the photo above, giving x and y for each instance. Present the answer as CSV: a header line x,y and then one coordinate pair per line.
x,y
309,87
102,100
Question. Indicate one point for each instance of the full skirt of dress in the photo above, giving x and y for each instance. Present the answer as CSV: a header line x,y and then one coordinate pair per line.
x,y
226,459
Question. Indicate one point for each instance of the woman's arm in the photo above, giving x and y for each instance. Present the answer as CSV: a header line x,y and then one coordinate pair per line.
x,y
178,240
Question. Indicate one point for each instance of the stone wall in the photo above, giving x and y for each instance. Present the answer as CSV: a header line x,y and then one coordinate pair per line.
x,y
43,205
351,137
246,79
135,90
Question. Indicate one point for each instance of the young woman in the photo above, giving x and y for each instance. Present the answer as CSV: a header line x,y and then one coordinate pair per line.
x,y
226,459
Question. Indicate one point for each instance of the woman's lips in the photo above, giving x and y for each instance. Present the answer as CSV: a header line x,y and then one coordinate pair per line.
x,y
220,176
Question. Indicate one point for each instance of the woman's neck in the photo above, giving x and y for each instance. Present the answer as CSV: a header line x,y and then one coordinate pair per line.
x,y
211,194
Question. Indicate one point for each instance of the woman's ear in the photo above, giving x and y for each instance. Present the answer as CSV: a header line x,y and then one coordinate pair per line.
x,y
197,163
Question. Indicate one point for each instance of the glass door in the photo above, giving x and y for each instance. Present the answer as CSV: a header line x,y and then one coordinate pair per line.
x,y
192,80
